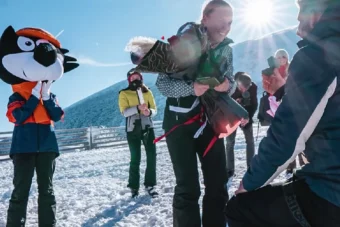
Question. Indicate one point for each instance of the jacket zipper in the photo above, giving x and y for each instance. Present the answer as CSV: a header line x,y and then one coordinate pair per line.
x,y
38,137
178,104
37,133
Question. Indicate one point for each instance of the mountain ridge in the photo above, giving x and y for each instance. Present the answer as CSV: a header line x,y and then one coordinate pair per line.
x,y
101,108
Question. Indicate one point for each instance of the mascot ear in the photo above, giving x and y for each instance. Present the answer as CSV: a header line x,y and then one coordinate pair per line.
x,y
69,63
8,35
64,51
70,66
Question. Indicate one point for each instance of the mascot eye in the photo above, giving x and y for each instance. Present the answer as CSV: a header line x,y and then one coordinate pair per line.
x,y
25,44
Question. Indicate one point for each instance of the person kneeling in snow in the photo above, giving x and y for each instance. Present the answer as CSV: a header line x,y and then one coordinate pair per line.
x,y
283,57
137,105
308,119
271,101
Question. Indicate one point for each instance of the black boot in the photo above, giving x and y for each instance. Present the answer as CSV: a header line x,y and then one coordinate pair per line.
x,y
134,193
151,191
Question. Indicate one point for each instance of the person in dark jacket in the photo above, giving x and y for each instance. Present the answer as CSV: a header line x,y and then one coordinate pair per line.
x,y
31,59
139,127
192,137
283,57
246,95
308,119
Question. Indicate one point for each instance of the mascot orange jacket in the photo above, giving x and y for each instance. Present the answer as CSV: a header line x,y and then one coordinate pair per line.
x,y
31,60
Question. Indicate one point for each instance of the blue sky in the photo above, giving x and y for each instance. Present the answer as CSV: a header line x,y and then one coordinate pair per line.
x,y
96,32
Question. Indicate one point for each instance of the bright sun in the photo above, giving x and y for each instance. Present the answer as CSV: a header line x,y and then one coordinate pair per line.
x,y
258,12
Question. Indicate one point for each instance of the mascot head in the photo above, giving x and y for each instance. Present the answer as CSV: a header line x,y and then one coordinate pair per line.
x,y
31,55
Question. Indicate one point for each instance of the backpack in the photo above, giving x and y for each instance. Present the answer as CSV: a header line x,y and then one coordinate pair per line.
x,y
263,117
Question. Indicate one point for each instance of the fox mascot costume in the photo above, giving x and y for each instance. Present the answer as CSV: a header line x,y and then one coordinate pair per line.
x,y
31,59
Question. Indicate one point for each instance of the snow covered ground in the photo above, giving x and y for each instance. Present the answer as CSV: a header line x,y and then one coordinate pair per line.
x,y
90,188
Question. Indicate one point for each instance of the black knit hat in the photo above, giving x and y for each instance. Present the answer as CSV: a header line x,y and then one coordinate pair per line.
x,y
132,72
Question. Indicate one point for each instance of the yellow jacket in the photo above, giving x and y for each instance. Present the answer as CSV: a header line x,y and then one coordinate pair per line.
x,y
128,102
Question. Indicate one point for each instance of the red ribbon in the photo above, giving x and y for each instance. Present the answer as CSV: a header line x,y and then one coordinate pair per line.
x,y
197,117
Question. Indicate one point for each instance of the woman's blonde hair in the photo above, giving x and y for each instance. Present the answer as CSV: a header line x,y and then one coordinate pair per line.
x,y
282,53
209,6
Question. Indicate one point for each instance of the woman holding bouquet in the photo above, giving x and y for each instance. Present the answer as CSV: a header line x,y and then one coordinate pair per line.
x,y
194,134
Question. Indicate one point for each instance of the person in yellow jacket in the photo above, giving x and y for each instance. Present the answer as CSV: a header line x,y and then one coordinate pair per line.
x,y
138,112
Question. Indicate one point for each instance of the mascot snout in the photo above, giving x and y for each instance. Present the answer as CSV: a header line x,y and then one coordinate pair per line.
x,y
45,54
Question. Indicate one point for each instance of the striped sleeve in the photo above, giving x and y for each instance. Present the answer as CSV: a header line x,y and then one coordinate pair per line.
x,y
19,110
308,90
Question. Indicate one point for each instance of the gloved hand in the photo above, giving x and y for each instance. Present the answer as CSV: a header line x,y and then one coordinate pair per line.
x,y
45,91
36,91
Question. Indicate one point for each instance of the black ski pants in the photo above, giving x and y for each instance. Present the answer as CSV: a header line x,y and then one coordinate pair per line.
x,y
250,148
184,150
24,166
282,205
135,140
